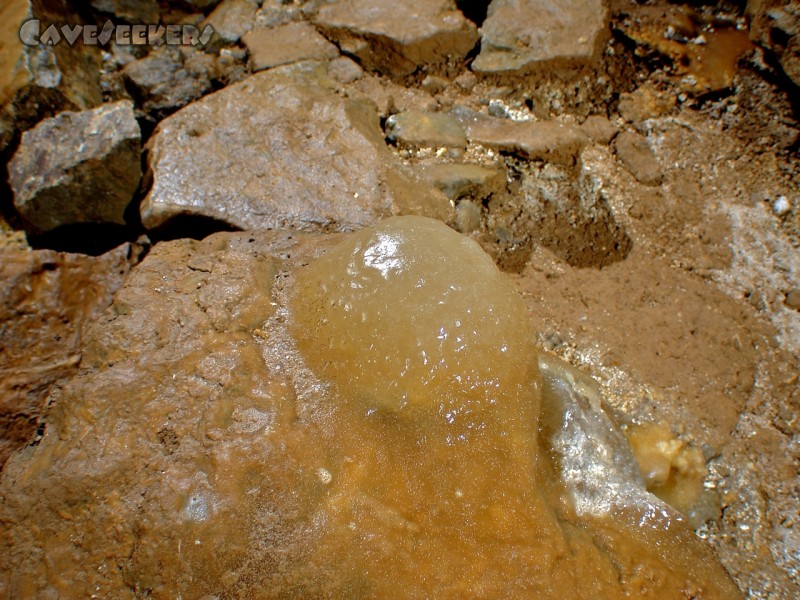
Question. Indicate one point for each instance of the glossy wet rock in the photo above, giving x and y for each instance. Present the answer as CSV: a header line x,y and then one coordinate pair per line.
x,y
280,149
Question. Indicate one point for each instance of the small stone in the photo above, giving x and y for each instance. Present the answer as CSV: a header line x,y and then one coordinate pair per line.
x,y
433,84
420,130
286,44
397,38
793,299
167,79
635,153
345,70
781,206
468,216
599,129
541,140
466,81
231,20
78,167
518,35
459,180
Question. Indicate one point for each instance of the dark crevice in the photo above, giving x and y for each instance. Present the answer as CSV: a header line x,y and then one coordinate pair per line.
x,y
189,226
93,239
474,10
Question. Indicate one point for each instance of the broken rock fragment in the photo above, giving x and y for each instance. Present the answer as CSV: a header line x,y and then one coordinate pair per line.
x,y
434,130
519,35
280,149
78,167
293,42
635,153
397,38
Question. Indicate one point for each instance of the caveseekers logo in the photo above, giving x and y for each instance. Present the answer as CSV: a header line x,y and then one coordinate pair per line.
x,y
31,34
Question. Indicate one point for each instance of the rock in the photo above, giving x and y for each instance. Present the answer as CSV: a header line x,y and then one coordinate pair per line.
x,y
131,11
168,79
280,149
38,80
468,216
599,129
431,130
345,70
392,98
231,20
541,140
793,299
293,42
433,84
398,38
46,299
201,4
635,153
775,25
519,35
645,103
78,167
459,180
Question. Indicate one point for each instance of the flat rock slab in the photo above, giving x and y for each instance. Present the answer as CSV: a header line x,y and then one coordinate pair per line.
x,y
397,38
46,298
280,150
520,35
432,130
78,167
541,140
285,44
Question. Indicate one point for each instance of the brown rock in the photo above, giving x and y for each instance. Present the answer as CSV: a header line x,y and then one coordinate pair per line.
x,y
293,42
775,25
132,11
542,140
280,149
635,153
432,130
599,129
519,35
345,70
46,299
459,180
78,167
645,103
231,19
398,38
793,299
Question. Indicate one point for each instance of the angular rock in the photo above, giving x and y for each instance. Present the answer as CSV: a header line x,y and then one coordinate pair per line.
x,y
78,167
46,299
541,140
345,70
519,35
599,129
635,153
431,130
459,180
168,79
231,20
38,79
293,42
397,38
280,149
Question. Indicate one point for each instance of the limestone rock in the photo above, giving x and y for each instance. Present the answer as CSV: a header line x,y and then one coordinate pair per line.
x,y
46,298
168,79
280,149
397,38
79,167
519,35
635,153
541,140
293,42
37,79
432,130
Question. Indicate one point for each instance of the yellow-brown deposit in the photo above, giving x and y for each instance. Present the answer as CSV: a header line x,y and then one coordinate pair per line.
x,y
385,430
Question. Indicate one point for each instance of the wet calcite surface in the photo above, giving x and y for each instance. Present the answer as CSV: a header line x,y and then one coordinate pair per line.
x,y
307,419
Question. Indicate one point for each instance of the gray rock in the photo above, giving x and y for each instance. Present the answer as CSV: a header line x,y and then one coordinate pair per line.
x,y
519,35
397,38
432,130
599,129
542,140
635,153
231,20
280,149
37,81
79,167
293,42
168,79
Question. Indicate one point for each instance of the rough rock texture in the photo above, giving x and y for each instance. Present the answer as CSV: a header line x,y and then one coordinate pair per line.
x,y
280,149
231,20
635,153
46,299
433,130
398,38
599,129
520,35
78,167
293,42
35,80
459,180
168,79
775,24
543,140
132,11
